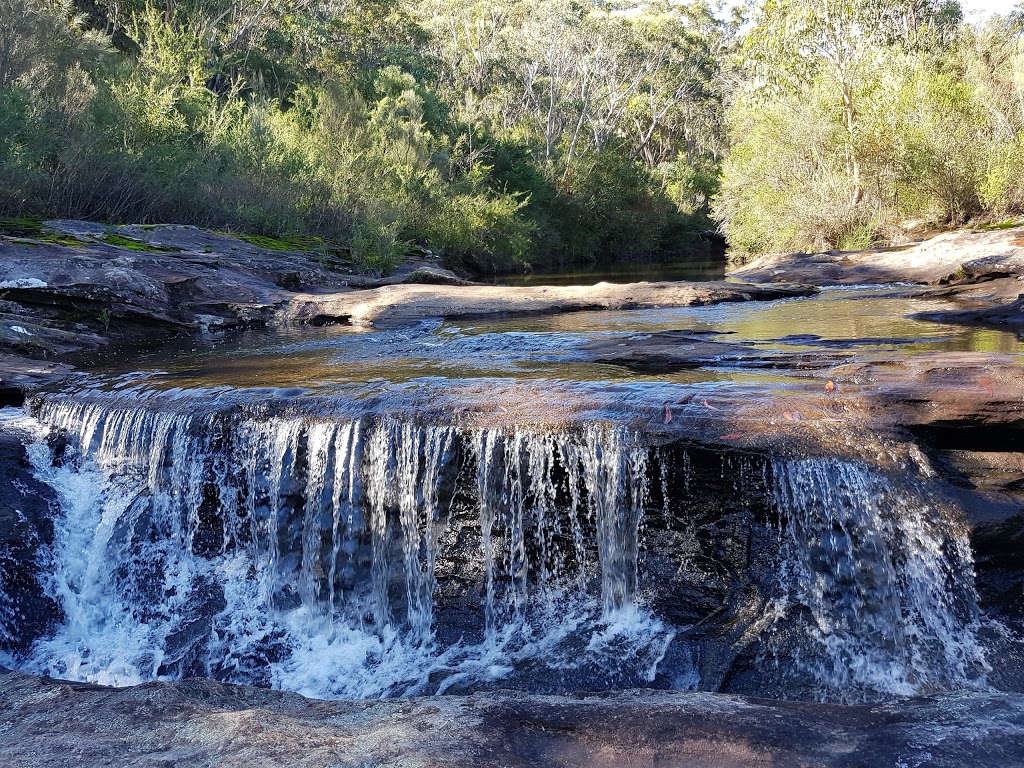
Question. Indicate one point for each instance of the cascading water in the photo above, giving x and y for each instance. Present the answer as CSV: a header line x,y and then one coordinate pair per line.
x,y
303,552
884,576
342,550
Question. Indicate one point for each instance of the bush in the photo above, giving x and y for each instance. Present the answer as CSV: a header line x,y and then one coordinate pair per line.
x,y
481,232
943,133
376,248
785,185
1002,189
925,142
276,120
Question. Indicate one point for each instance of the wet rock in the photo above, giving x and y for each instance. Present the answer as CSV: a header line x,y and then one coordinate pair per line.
x,y
49,723
683,349
1011,314
974,255
18,374
26,532
90,286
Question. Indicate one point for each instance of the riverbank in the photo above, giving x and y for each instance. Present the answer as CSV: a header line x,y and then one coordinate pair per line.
x,y
85,287
982,269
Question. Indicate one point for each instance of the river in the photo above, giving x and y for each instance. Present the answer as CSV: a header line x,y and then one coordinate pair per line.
x,y
456,506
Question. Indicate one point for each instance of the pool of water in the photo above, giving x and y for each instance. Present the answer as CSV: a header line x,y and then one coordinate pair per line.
x,y
868,322
694,270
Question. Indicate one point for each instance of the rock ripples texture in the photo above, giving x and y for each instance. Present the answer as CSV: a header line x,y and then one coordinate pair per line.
x,y
48,723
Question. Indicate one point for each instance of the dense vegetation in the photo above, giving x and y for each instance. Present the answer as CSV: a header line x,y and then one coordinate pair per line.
x,y
856,120
544,132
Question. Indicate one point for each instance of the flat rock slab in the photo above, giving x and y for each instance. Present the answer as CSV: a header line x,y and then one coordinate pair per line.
x,y
408,303
681,349
78,287
971,255
46,724
1011,315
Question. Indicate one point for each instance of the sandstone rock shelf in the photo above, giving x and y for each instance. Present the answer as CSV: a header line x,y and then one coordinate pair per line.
x,y
83,292
49,723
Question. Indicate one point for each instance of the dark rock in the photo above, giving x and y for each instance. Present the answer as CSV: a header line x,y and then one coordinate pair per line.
x,y
26,532
290,281
11,397
681,350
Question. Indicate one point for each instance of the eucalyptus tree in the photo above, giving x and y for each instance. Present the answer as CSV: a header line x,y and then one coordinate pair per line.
x,y
793,42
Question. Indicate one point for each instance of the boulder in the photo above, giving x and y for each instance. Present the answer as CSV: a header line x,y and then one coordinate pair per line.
x,y
397,304
970,254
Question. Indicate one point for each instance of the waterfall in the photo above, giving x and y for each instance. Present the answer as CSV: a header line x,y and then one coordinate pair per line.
x,y
302,550
884,574
341,549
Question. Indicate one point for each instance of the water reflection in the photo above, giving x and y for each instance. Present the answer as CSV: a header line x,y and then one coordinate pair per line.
x,y
694,270
867,323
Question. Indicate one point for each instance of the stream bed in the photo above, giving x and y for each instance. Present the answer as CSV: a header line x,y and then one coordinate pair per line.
x,y
457,506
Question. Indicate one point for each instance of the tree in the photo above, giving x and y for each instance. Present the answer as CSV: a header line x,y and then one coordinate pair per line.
x,y
795,41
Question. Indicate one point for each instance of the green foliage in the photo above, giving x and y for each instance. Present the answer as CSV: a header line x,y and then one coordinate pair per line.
x,y
785,185
375,248
514,132
926,127
482,232
856,239
1002,188
20,227
494,134
943,131
292,243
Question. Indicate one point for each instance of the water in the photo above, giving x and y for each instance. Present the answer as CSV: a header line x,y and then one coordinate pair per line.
x,y
884,576
691,269
871,322
349,552
304,553
452,507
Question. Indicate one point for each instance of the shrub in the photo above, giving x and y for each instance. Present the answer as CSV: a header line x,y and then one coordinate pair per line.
x,y
785,185
482,232
1002,189
375,247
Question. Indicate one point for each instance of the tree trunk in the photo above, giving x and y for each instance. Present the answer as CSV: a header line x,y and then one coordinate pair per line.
x,y
852,162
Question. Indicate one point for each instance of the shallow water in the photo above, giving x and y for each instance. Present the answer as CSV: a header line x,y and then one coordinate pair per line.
x,y
711,269
870,321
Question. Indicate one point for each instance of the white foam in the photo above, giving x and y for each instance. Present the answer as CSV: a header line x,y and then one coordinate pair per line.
x,y
24,282
887,577
130,575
